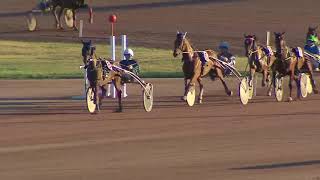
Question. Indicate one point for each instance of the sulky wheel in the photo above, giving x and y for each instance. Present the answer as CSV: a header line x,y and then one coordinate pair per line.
x,y
148,97
244,91
68,17
309,85
303,85
31,22
191,96
279,88
251,87
92,101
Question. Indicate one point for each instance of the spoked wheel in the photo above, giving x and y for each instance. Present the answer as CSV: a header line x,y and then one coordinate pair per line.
x,y
68,18
303,85
251,87
31,22
92,99
191,96
309,85
279,88
244,91
148,97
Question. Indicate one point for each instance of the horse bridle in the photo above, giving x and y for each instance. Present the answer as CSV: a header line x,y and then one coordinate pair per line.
x,y
182,43
251,50
282,50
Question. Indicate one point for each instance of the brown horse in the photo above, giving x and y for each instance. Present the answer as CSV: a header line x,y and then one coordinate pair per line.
x,y
73,5
260,59
289,61
193,68
99,75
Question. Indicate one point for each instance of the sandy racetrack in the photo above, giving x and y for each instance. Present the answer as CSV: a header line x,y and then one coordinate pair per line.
x,y
44,134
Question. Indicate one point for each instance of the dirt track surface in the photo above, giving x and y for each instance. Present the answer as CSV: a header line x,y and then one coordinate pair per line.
x,y
44,134
154,23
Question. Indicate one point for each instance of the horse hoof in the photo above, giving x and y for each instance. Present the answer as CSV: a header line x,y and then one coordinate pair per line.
x,y
315,91
75,29
290,99
184,98
200,101
269,94
230,93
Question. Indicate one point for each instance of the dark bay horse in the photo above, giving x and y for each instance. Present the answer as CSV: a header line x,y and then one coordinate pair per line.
x,y
193,68
260,59
291,61
73,5
99,75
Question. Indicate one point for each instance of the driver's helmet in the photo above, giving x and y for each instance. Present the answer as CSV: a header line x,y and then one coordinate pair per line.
x,y
224,45
128,53
313,39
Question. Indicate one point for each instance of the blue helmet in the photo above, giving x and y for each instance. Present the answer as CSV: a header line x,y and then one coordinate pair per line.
x,y
224,45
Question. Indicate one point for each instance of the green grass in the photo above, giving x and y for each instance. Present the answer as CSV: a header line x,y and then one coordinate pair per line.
x,y
27,60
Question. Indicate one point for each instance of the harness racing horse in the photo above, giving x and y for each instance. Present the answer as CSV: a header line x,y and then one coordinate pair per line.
x,y
73,5
193,68
291,62
100,75
260,59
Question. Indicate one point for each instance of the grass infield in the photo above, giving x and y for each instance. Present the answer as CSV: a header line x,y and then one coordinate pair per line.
x,y
56,60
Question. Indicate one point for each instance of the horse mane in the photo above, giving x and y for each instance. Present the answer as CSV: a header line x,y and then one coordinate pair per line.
x,y
190,43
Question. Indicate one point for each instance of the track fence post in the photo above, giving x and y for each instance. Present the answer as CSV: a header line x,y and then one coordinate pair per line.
x,y
123,48
268,38
111,88
81,29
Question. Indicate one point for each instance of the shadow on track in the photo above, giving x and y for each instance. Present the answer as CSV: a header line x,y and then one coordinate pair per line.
x,y
280,165
165,4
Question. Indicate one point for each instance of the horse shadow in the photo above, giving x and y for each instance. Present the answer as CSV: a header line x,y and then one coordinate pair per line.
x,y
279,165
39,106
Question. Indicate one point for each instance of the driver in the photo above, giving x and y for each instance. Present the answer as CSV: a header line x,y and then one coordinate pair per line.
x,y
312,47
129,63
225,56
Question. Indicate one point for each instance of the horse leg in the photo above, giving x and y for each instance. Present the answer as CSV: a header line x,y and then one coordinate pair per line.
x,y
117,84
220,76
271,84
264,77
184,97
98,101
55,17
252,72
292,78
201,90
290,89
59,18
74,20
298,87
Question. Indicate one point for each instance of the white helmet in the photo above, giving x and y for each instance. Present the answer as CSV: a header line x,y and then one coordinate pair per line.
x,y
128,52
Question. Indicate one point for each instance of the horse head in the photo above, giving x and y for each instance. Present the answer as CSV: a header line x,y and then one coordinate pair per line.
x,y
280,44
88,50
179,43
250,44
